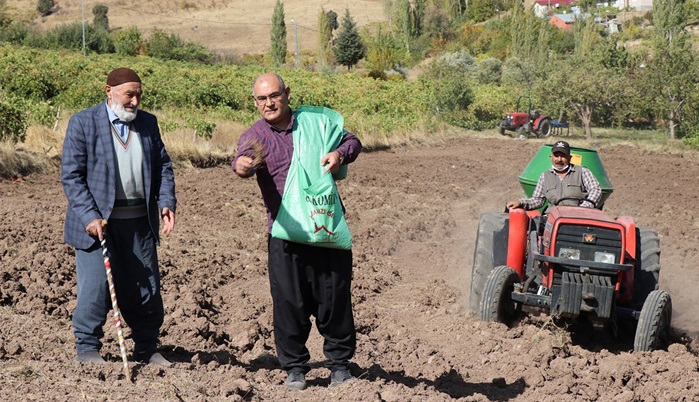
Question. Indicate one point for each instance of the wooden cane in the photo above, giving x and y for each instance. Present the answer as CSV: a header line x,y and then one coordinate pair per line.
x,y
115,306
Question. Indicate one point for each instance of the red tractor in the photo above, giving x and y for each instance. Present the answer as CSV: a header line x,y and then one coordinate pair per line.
x,y
574,263
523,124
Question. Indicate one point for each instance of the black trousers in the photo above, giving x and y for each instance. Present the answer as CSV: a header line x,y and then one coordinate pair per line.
x,y
310,281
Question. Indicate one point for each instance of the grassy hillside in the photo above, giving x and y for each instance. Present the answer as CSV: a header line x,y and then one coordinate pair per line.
x,y
226,27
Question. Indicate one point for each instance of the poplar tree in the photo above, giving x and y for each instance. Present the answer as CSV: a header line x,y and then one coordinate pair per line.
x,y
349,48
278,36
405,22
325,36
417,17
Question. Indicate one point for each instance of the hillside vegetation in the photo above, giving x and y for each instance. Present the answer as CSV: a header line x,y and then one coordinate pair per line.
x,y
429,68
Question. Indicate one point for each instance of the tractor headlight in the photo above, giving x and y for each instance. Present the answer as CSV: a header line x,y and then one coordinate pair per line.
x,y
570,253
601,256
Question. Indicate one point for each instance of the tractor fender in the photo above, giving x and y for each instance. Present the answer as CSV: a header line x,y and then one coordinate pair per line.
x,y
535,124
627,279
630,232
517,240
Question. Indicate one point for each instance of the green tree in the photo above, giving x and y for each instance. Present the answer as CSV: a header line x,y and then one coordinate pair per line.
x,y
45,7
277,50
410,16
349,48
529,49
128,42
592,81
586,92
487,71
383,54
481,10
529,36
13,124
452,93
100,19
418,17
399,14
325,37
456,8
457,64
404,22
388,11
436,22
672,71
332,20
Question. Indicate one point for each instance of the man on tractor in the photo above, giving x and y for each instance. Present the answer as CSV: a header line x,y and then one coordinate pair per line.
x,y
563,184
572,263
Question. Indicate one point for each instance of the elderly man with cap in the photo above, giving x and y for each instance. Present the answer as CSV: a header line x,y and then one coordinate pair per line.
x,y
576,184
118,179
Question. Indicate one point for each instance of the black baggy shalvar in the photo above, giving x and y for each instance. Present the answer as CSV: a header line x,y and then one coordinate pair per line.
x,y
310,281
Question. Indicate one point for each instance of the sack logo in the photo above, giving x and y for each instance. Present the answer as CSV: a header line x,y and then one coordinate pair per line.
x,y
322,227
324,200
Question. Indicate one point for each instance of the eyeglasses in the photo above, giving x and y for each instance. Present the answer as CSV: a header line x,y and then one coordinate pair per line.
x,y
275,96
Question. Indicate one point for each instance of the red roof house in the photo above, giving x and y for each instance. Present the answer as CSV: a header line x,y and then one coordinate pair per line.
x,y
562,21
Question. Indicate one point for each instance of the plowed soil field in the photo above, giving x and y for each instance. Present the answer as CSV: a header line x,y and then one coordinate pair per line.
x,y
413,213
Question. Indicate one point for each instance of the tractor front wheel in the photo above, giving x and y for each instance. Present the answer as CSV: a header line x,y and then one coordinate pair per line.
x,y
653,330
496,303
502,130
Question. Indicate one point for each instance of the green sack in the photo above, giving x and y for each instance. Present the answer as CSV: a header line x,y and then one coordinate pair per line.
x,y
311,211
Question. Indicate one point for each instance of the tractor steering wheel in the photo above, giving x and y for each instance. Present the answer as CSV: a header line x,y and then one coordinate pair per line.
x,y
578,199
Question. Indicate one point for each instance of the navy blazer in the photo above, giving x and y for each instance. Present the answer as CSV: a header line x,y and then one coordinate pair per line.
x,y
88,172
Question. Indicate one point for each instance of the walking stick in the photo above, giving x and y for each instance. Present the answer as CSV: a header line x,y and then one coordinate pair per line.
x,y
115,306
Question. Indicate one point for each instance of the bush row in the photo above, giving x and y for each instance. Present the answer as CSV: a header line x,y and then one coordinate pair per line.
x,y
40,81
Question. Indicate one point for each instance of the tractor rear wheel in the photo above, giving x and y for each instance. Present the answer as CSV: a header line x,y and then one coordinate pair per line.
x,y
545,127
490,251
647,269
653,330
497,304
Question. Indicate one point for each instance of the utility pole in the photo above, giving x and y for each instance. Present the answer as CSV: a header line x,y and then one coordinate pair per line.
x,y
83,12
296,44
